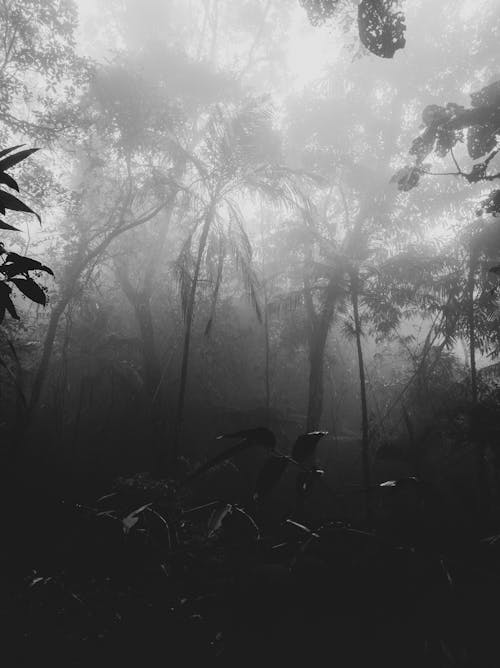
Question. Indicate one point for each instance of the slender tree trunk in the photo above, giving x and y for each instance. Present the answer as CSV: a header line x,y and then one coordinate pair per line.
x,y
266,361
483,492
365,442
48,345
472,328
318,335
316,372
141,303
187,333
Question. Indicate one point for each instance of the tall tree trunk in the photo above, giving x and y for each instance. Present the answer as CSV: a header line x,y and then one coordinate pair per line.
x,y
83,259
319,327
266,361
483,492
187,333
48,345
365,442
141,304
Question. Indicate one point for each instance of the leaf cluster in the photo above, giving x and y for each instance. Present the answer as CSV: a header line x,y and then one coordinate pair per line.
x,y
16,268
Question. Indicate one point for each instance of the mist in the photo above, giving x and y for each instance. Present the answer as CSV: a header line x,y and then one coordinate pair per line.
x,y
249,331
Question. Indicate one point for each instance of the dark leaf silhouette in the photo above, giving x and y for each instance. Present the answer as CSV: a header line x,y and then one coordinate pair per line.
x,y
6,302
12,160
305,445
6,151
8,201
381,27
19,264
31,289
260,436
8,181
6,226
269,475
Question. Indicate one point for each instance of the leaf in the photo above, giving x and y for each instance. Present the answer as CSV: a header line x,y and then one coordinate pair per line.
x,y
381,27
132,518
5,151
6,301
269,475
9,201
12,160
407,178
9,181
31,289
6,226
19,264
305,445
217,517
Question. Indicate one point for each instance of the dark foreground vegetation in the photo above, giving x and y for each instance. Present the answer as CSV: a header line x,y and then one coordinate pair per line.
x,y
249,318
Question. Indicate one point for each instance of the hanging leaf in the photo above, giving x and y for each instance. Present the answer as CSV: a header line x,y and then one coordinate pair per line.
x,y
381,27
6,226
19,264
305,445
407,178
31,289
6,302
269,475
8,201
12,160
9,181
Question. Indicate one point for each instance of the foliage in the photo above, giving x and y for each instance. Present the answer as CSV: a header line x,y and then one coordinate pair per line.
x,y
445,127
381,24
16,268
38,38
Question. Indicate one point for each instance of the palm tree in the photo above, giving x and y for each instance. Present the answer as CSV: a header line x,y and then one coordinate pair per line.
x,y
238,155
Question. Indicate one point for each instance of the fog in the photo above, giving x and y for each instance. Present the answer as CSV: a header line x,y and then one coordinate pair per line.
x,y
262,224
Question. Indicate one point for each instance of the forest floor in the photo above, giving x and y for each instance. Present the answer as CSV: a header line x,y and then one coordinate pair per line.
x,y
133,574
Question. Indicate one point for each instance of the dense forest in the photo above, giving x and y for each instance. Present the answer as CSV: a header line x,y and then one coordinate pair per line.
x,y
249,324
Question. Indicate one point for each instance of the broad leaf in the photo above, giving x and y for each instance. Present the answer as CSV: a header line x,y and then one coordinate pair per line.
x,y
305,445
6,302
9,181
269,475
19,264
9,201
31,289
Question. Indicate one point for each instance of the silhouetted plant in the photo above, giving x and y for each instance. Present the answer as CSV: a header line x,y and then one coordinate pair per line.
x,y
16,268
